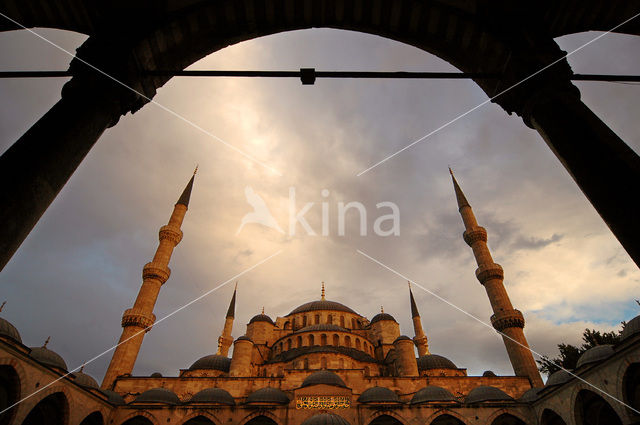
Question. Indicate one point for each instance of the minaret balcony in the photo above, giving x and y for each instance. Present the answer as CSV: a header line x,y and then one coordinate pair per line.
x,y
136,317
171,233
507,319
487,272
474,235
156,271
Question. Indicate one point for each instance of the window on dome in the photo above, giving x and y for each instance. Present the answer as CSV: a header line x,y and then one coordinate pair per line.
x,y
347,341
342,321
317,319
336,340
323,339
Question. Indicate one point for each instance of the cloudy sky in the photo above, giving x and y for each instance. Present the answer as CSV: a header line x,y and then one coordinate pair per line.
x,y
80,267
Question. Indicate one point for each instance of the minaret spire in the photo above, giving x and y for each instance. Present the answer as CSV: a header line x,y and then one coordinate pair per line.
x,y
138,320
225,340
506,319
420,339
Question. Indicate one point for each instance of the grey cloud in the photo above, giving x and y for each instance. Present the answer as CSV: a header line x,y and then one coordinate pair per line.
x,y
534,243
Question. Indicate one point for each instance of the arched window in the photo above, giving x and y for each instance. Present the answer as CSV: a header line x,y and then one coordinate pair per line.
x,y
507,419
306,364
358,347
299,341
199,420
323,363
447,420
52,410
138,420
317,319
549,417
293,323
330,319
591,409
347,341
385,420
311,341
93,419
323,339
342,321
353,323
9,392
304,321
336,340
261,420
287,325
281,347
631,387
289,344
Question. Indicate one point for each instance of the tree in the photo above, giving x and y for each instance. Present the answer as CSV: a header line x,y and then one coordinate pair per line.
x,y
569,354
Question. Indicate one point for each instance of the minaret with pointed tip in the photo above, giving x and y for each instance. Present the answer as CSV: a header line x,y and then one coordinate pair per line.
x,y
225,340
420,340
138,320
508,321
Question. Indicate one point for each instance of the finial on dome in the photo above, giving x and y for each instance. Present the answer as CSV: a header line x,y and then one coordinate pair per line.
x,y
381,309
81,368
262,309
196,170
322,295
2,306
46,342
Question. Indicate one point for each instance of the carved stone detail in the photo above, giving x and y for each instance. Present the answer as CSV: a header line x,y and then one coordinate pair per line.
x,y
170,233
507,319
474,235
135,317
487,272
156,271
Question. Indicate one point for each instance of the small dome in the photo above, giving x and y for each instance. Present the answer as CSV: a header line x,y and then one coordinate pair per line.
x,y
85,380
326,419
10,331
321,305
213,361
378,395
113,397
486,393
156,375
530,395
48,357
244,338
595,354
268,395
382,316
558,378
402,338
261,318
434,361
432,393
631,328
323,377
213,395
489,374
158,395
323,327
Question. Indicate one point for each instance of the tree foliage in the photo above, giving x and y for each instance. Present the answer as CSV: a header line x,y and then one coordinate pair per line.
x,y
569,354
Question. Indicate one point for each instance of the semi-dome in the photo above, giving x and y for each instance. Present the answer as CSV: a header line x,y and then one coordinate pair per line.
x,y
10,331
486,393
530,395
113,397
382,316
631,328
432,393
326,419
321,305
595,354
212,362
323,377
261,318
213,395
268,395
378,395
48,357
434,361
323,327
85,380
402,338
558,378
158,395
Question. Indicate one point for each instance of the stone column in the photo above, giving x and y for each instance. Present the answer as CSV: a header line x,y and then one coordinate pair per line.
x,y
604,167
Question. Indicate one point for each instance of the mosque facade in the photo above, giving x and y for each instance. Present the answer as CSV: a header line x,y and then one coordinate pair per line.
x,y
321,364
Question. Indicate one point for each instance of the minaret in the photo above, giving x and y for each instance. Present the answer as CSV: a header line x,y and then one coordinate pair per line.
x,y
138,320
508,321
420,340
225,340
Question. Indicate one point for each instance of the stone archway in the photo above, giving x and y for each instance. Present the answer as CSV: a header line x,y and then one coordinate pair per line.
x,y
51,410
385,420
446,419
631,387
9,392
507,419
138,420
261,420
94,418
592,409
510,41
549,417
199,420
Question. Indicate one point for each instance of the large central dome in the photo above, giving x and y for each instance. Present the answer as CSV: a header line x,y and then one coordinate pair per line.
x,y
321,305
